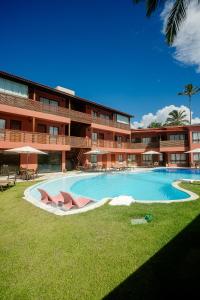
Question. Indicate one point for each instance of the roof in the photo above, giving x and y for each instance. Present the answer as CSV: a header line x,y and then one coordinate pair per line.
x,y
50,89
164,128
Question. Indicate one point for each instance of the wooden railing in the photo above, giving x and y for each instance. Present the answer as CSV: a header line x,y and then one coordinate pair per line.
x,y
174,143
76,116
33,105
26,137
152,145
124,145
110,123
80,142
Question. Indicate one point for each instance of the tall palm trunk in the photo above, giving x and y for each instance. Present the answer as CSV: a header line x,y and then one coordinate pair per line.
x,y
190,108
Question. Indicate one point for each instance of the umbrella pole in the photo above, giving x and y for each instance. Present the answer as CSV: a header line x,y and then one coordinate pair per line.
x,y
27,161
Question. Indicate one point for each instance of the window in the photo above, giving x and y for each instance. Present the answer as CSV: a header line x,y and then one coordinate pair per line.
x,y
47,101
2,127
118,139
131,157
196,137
178,158
120,158
2,124
94,114
136,140
15,124
103,116
122,119
146,140
53,130
42,128
177,137
93,159
94,136
13,88
147,157
196,157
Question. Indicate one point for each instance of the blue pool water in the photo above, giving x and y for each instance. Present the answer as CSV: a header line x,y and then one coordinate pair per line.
x,y
148,185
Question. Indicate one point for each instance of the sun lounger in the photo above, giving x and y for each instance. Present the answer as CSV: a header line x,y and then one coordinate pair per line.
x,y
48,199
78,202
58,200
7,182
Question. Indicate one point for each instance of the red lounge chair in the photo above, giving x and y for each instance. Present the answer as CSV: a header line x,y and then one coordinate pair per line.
x,y
79,202
59,199
47,199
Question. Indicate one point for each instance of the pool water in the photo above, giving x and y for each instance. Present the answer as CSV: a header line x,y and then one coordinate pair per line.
x,y
148,185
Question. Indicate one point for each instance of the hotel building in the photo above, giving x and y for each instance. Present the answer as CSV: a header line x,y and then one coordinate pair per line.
x,y
66,126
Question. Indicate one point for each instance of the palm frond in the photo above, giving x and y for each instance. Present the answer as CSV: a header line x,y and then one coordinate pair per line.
x,y
151,6
175,19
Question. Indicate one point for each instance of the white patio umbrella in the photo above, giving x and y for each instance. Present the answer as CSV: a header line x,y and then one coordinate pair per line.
x,y
151,152
97,152
26,150
197,150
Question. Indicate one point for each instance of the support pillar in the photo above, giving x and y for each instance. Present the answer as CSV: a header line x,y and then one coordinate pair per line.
x,y
33,125
63,161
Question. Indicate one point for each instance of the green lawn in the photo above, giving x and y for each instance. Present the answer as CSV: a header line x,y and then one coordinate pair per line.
x,y
43,256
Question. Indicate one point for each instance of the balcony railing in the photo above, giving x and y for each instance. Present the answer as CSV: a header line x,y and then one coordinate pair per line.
x,y
26,137
173,143
122,145
80,142
76,116
33,105
152,145
110,123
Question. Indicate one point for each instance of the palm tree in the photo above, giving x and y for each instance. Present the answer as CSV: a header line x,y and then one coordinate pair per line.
x,y
176,16
155,124
176,118
189,91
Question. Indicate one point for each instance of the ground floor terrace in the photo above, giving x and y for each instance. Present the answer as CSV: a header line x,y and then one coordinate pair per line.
x,y
57,161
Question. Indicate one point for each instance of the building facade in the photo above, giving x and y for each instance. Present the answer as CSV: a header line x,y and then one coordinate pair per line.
x,y
66,126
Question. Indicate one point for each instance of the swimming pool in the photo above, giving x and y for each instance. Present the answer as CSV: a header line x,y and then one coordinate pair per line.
x,y
154,185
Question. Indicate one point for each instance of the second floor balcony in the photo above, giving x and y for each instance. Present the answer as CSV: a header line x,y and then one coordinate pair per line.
x,y
74,115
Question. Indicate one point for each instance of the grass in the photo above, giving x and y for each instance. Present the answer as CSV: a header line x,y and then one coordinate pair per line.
x,y
43,256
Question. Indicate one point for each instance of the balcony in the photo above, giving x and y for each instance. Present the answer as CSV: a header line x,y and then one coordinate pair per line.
x,y
110,123
74,115
80,142
144,146
26,138
33,105
14,138
182,144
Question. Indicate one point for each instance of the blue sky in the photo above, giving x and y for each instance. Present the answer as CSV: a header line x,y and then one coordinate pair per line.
x,y
107,51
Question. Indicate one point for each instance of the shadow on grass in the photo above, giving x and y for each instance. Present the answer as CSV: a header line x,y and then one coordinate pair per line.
x,y
172,272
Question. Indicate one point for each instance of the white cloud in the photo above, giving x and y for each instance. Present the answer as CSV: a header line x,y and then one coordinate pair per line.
x,y
187,42
161,116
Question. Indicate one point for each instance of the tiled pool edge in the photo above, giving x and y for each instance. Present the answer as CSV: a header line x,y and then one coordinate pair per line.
x,y
55,210
60,212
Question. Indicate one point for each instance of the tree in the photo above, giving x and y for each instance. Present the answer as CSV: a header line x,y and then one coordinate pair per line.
x,y
177,118
155,124
189,91
175,18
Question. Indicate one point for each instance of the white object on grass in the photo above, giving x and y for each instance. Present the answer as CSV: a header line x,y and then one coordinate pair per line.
x,y
122,200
